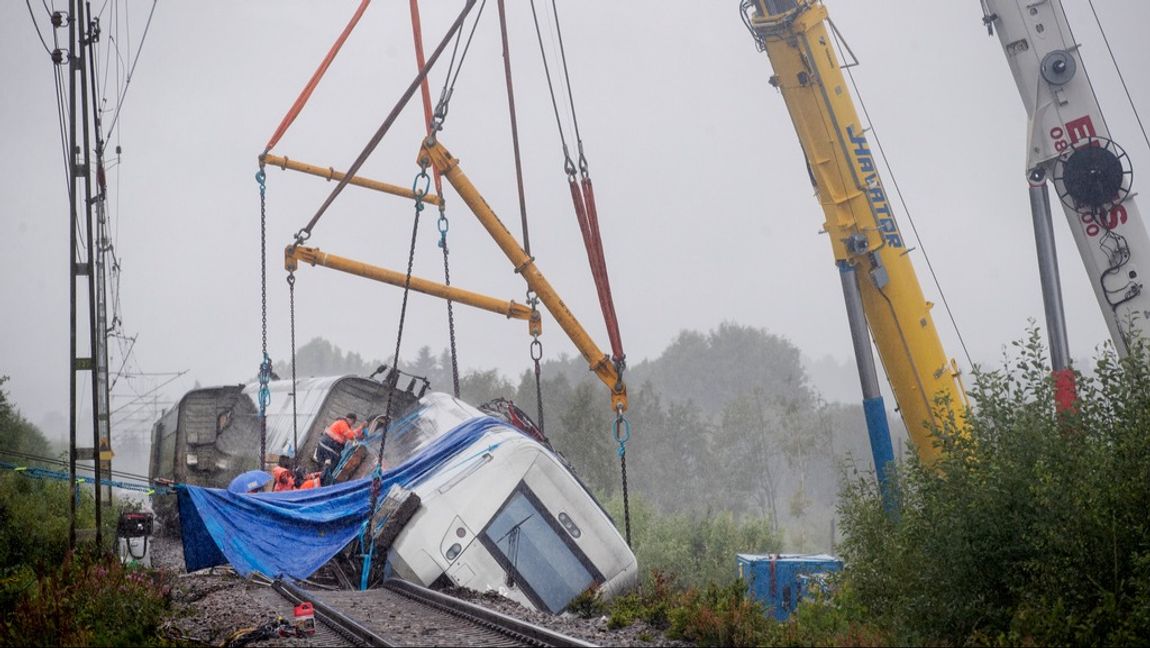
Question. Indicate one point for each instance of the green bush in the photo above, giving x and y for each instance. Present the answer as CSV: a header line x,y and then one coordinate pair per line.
x,y
34,520
833,618
650,602
48,595
720,615
701,548
86,600
1032,529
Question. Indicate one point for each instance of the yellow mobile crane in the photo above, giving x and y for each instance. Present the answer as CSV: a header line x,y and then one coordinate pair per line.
x,y
879,282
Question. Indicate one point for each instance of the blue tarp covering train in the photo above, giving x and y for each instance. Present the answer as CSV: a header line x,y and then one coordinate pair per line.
x,y
294,533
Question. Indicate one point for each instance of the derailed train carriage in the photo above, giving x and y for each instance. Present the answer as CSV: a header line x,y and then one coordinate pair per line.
x,y
504,513
213,434
507,513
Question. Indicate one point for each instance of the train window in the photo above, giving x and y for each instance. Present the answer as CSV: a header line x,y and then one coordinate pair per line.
x,y
537,553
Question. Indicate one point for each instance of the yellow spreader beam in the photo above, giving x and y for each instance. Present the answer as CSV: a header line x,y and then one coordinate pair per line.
x,y
294,254
331,174
600,363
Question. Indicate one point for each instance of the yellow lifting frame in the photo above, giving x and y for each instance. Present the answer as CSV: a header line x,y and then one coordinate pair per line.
x,y
600,363
329,173
294,254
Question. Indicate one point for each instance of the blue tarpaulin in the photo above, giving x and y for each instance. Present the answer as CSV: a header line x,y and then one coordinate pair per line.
x,y
293,533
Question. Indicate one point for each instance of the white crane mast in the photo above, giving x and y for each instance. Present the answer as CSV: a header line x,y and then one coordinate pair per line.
x,y
1069,145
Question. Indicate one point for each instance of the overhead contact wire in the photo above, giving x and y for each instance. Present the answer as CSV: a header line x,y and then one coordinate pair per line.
x,y
131,71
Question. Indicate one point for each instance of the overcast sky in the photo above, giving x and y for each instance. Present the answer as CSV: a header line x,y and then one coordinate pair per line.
x,y
706,211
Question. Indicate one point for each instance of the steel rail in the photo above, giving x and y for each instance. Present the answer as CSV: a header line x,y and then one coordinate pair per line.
x,y
329,616
516,628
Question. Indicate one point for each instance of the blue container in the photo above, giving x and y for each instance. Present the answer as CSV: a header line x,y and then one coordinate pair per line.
x,y
779,581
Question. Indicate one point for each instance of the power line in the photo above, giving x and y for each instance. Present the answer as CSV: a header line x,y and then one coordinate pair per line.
x,y
149,392
1121,78
131,71
60,462
35,25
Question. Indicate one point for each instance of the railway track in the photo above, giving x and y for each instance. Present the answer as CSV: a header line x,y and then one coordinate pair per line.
x,y
403,614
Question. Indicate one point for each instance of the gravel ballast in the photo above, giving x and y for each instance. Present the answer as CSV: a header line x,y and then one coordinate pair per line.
x,y
208,606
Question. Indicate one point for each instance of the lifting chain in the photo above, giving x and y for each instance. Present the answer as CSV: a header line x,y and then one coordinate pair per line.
x,y
294,413
443,225
419,187
622,431
265,373
535,328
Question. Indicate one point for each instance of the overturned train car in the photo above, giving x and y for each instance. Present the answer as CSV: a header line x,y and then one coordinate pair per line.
x,y
506,514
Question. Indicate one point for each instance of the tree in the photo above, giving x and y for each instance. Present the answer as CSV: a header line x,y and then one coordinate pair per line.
x,y
1031,528
585,439
478,387
715,368
320,357
16,433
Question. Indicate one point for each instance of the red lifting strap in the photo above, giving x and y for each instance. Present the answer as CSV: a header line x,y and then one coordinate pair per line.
x,y
417,34
315,77
588,217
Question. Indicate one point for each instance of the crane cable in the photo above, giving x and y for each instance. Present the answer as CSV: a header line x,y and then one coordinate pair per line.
x,y
535,323
840,42
1121,78
583,200
305,232
420,187
583,197
442,224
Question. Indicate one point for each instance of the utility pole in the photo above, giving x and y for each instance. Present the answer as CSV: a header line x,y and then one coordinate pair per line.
x,y
101,398
84,262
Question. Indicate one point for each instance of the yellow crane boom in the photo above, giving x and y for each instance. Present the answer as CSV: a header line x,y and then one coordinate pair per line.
x,y
864,235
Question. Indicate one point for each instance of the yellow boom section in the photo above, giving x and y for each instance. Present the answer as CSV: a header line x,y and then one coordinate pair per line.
x,y
294,254
859,220
330,173
435,154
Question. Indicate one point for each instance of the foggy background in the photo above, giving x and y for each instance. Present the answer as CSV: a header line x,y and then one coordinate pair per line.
x,y
705,207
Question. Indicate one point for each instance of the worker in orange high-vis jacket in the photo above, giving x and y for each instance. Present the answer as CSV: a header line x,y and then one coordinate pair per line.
x,y
283,477
335,438
311,480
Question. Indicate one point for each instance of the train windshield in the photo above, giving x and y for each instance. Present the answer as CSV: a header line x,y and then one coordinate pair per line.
x,y
537,553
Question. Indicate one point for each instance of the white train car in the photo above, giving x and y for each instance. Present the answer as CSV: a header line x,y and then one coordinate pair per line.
x,y
505,514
